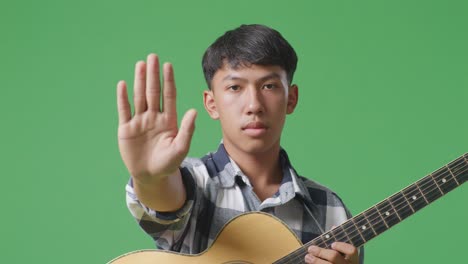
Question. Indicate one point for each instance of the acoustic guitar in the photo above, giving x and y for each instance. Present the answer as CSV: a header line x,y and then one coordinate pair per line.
x,y
248,238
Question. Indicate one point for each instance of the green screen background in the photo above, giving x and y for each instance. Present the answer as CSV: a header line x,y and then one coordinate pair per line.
x,y
383,93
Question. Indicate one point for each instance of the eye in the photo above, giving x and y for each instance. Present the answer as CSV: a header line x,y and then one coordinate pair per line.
x,y
234,87
269,86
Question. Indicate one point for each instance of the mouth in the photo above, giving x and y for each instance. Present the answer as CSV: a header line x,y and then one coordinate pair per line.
x,y
255,129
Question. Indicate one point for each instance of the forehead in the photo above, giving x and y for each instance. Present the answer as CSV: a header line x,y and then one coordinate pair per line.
x,y
253,72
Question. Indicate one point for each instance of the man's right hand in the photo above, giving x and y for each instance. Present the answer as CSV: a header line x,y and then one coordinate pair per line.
x,y
151,145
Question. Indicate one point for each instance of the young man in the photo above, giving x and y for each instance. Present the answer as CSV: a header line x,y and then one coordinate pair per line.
x,y
182,203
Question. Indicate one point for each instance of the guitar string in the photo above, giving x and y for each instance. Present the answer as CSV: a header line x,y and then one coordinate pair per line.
x,y
355,233
400,203
424,188
432,183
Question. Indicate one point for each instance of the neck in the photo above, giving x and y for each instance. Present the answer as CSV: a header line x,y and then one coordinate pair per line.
x,y
262,168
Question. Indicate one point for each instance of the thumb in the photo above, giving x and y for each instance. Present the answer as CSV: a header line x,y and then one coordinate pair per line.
x,y
187,126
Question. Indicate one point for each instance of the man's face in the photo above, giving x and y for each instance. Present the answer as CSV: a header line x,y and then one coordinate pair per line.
x,y
251,104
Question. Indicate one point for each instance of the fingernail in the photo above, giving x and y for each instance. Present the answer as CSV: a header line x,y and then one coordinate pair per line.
x,y
309,258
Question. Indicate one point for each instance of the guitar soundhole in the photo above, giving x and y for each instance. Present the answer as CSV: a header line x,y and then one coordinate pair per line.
x,y
237,262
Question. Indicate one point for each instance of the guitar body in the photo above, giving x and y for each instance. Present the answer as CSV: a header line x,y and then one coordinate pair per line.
x,y
249,238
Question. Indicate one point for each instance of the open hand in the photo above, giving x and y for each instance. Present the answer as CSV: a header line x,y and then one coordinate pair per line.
x,y
151,145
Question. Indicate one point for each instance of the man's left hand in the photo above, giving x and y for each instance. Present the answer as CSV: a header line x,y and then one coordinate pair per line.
x,y
341,253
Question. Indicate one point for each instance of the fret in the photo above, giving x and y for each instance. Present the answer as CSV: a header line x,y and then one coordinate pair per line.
x,y
459,168
444,180
422,194
393,208
381,217
330,234
389,215
451,173
435,181
340,234
353,233
406,199
368,222
357,228
463,176
319,241
457,165
364,227
375,220
414,196
327,240
401,206
430,189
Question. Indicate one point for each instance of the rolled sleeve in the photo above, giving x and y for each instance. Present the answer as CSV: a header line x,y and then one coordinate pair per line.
x,y
163,227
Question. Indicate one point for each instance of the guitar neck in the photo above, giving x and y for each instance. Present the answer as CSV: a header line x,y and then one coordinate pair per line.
x,y
391,211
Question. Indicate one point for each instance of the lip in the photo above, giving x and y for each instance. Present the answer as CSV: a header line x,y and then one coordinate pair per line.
x,y
255,129
254,125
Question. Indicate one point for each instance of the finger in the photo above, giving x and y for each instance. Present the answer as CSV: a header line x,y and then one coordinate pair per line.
x,y
344,248
139,97
187,127
309,258
123,106
327,254
169,94
153,90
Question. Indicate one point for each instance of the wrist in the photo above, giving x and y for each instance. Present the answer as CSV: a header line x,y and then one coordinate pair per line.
x,y
146,180
165,194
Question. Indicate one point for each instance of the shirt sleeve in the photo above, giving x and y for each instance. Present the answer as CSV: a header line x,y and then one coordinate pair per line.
x,y
166,228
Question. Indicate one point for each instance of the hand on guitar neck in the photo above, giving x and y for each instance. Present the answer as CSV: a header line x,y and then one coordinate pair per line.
x,y
150,142
341,253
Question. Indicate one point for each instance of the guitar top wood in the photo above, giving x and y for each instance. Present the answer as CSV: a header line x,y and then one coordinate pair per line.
x,y
249,238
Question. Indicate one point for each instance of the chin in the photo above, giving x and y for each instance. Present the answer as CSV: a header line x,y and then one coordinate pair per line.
x,y
256,146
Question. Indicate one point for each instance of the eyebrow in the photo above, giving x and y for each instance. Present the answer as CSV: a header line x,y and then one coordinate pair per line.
x,y
272,75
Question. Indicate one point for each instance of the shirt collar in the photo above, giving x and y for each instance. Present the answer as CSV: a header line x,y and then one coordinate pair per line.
x,y
225,170
228,172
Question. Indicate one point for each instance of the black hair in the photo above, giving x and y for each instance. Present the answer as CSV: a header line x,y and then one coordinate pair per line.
x,y
247,45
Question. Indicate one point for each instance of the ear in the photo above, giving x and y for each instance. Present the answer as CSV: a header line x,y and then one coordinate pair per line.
x,y
293,97
210,104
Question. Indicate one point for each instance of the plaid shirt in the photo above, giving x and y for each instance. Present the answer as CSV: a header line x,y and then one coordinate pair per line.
x,y
217,191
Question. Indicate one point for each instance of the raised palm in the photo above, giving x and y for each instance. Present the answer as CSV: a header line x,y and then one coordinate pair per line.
x,y
150,143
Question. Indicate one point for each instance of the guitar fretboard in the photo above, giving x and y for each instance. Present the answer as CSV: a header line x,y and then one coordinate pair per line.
x,y
389,212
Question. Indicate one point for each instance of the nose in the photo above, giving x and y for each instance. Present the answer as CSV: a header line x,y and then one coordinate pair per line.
x,y
254,102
